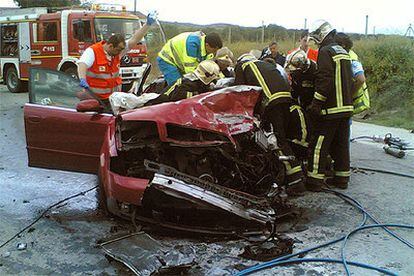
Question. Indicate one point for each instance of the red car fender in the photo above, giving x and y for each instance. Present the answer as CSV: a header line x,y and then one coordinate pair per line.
x,y
117,187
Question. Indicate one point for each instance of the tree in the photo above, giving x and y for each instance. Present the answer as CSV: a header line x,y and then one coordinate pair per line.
x,y
46,3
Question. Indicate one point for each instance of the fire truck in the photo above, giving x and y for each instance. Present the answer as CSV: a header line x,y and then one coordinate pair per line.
x,y
56,39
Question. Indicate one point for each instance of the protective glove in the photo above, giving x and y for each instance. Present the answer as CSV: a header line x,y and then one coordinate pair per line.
x,y
152,18
83,83
315,109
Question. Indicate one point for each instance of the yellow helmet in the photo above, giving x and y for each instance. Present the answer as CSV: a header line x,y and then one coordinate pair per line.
x,y
319,30
207,71
297,60
246,57
224,55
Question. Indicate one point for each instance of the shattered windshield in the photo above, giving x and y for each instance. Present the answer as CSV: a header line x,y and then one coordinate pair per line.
x,y
106,27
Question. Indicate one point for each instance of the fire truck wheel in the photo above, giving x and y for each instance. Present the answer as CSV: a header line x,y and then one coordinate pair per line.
x,y
72,71
14,84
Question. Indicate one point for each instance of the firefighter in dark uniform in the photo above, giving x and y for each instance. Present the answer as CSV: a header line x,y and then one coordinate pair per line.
x,y
274,106
331,109
190,84
302,72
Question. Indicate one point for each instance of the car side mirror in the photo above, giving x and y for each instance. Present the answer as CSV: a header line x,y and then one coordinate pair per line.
x,y
89,105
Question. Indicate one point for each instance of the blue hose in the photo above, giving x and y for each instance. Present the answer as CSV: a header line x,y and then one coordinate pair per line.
x,y
355,203
281,261
359,206
325,260
362,228
364,219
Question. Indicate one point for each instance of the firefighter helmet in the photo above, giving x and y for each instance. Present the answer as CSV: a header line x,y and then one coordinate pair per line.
x,y
207,71
246,57
319,30
224,56
297,60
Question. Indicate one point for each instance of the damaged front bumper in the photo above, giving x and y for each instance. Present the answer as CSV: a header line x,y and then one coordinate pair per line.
x,y
196,190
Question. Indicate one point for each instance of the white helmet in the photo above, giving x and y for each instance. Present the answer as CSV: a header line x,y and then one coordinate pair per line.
x,y
319,30
207,71
297,60
246,57
224,56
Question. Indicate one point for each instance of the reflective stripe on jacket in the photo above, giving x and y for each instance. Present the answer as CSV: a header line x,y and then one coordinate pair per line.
x,y
275,86
361,97
103,76
185,87
185,51
334,81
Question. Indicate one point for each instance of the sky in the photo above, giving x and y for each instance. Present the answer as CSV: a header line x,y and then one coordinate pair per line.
x,y
385,16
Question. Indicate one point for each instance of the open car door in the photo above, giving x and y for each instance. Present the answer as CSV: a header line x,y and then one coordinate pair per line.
x,y
57,136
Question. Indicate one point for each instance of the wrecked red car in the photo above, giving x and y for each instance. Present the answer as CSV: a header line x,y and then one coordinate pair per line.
x,y
197,164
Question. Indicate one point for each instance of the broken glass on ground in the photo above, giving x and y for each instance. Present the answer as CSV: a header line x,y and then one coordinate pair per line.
x,y
145,256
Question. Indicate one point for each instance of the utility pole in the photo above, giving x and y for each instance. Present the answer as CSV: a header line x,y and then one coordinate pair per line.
x,y
306,24
373,30
229,34
366,25
135,7
263,31
410,31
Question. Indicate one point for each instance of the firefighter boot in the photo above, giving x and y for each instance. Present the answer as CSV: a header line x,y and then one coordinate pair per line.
x,y
296,189
313,185
337,182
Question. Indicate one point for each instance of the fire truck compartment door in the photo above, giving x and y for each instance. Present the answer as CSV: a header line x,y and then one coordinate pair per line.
x,y
24,42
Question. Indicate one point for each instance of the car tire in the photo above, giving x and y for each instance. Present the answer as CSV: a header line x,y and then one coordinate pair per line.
x,y
14,84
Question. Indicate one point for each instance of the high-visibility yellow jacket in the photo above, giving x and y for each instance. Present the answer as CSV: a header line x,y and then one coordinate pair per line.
x,y
185,51
361,97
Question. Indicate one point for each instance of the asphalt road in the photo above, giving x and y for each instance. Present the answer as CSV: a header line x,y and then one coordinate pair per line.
x,y
64,241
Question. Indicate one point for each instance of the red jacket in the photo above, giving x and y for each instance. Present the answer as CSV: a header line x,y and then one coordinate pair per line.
x,y
311,53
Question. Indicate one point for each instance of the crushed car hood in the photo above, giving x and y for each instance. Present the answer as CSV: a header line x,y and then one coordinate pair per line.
x,y
227,111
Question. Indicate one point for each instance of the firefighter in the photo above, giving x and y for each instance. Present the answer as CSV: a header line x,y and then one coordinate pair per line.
x,y
225,60
302,72
190,84
331,109
312,54
275,107
98,67
360,95
182,53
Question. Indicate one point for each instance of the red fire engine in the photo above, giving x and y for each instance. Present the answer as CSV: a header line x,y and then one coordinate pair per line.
x,y
36,37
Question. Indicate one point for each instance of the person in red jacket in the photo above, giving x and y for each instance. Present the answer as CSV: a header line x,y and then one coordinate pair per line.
x,y
312,54
98,67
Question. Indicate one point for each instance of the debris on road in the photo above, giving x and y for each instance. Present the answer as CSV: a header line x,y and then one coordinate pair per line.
x,y
276,247
6,254
145,256
21,246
